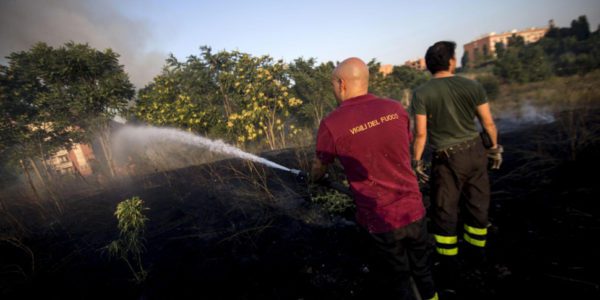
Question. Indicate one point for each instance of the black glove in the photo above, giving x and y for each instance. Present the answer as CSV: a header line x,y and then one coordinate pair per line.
x,y
303,177
495,157
419,168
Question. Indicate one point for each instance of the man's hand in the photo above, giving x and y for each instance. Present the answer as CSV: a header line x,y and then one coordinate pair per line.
x,y
495,157
419,168
303,177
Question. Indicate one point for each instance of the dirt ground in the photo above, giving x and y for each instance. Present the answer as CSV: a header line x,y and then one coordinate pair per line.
x,y
233,230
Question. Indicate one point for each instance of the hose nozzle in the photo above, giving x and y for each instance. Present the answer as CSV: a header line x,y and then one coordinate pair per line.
x,y
300,175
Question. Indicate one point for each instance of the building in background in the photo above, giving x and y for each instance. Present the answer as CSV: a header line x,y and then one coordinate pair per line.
x,y
485,46
417,64
386,69
71,161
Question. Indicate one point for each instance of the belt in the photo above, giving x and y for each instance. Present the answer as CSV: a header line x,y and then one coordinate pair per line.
x,y
445,153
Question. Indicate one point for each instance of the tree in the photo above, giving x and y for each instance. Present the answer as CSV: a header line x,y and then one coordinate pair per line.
x,y
523,63
55,97
490,84
464,61
500,49
231,93
580,28
377,82
408,77
312,84
184,95
572,50
516,41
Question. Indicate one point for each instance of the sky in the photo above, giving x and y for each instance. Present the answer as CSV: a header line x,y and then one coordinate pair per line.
x,y
145,32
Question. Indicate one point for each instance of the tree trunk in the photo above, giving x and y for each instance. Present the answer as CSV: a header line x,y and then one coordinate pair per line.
x,y
35,192
226,104
37,172
49,176
104,140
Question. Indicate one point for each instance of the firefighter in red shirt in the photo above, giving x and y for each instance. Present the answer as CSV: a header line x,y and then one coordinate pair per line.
x,y
370,136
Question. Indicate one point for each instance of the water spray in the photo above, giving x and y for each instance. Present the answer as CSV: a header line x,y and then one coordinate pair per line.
x,y
147,134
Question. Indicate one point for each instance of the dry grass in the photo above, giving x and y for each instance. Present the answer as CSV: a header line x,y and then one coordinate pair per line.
x,y
556,93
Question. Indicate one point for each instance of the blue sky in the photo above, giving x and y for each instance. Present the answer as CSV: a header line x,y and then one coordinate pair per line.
x,y
144,32
392,31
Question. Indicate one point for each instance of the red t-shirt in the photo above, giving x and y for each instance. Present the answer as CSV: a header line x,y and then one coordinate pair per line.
x,y
371,137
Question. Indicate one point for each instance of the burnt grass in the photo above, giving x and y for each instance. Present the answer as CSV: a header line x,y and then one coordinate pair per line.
x,y
234,230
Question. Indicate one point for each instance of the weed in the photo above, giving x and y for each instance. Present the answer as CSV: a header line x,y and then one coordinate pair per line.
x,y
333,201
129,246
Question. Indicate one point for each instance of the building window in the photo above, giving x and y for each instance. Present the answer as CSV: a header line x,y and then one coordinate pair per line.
x,y
63,159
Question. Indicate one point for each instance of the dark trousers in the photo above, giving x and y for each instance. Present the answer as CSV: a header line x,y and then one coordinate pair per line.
x,y
407,251
460,183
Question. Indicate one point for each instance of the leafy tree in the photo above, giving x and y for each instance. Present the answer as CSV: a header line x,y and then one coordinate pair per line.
x,y
580,28
464,61
55,97
572,50
491,85
516,41
500,49
184,95
312,84
407,77
525,63
486,52
232,93
377,82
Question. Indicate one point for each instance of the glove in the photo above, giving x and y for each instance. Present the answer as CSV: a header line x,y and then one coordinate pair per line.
x,y
419,168
495,157
303,177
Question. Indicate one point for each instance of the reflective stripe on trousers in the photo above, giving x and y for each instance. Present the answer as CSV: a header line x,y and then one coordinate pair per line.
x,y
446,245
475,236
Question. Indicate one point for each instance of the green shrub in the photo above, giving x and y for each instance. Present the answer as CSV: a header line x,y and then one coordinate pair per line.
x,y
491,85
129,246
333,201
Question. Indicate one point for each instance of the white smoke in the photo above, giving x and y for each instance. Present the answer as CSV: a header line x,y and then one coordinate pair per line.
x,y
55,22
525,115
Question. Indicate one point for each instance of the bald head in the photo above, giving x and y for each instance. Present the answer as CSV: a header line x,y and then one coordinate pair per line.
x,y
350,79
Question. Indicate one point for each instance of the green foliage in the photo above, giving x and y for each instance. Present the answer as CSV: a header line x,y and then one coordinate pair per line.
x,y
563,51
527,63
396,83
235,94
407,77
580,28
333,201
129,246
312,84
464,61
54,97
491,85
500,49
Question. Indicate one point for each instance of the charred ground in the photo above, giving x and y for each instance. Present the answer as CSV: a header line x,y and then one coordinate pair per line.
x,y
231,229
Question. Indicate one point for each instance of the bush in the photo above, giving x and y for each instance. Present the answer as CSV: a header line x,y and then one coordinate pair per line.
x,y
129,246
333,202
491,84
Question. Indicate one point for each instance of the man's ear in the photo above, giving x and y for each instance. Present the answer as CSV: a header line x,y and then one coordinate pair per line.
x,y
341,84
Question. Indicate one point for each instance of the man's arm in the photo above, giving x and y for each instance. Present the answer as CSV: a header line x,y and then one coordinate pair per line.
x,y
487,122
420,136
419,146
318,170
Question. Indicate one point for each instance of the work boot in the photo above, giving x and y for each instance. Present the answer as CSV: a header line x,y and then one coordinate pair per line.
x,y
446,274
